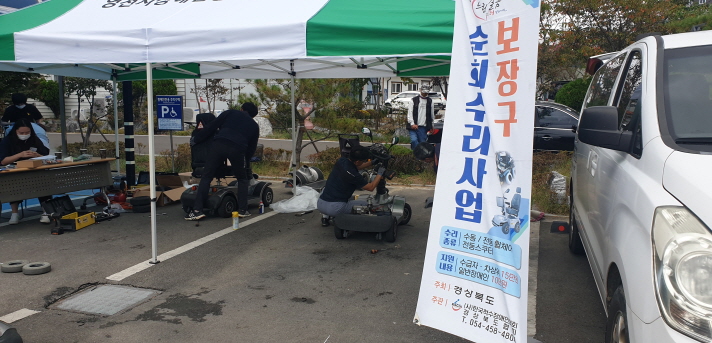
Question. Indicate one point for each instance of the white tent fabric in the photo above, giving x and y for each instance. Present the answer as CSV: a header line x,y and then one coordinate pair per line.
x,y
171,39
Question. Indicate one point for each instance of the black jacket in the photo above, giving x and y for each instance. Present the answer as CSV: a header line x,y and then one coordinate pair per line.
x,y
234,126
428,114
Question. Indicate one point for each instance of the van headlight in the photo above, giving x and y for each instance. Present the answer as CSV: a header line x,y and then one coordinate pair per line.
x,y
682,246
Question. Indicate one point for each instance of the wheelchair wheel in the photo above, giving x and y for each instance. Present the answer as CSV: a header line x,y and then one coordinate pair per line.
x,y
227,206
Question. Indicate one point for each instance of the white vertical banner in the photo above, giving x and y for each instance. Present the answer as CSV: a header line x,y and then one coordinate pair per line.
x,y
474,282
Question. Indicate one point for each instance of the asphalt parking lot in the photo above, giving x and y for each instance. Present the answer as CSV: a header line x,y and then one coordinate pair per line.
x,y
280,278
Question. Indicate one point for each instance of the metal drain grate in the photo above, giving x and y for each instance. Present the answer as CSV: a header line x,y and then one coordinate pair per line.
x,y
106,299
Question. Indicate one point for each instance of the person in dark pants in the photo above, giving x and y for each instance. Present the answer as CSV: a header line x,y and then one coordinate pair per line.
x,y
22,143
421,112
343,181
236,141
21,109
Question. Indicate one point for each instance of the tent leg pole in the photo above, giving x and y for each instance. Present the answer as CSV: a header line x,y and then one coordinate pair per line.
x,y
294,135
151,163
62,116
114,96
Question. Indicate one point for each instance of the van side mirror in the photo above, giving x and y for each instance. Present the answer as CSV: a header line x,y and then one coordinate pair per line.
x,y
599,126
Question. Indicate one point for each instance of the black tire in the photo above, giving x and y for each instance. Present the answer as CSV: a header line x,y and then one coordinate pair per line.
x,y
13,266
228,205
140,201
267,196
36,268
338,233
141,209
617,323
392,233
407,214
575,244
319,174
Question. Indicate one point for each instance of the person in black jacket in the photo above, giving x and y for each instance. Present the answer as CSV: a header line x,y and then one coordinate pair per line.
x,y
236,141
22,143
21,109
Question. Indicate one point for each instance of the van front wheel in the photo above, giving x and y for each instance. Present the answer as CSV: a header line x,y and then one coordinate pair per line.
x,y
575,244
617,325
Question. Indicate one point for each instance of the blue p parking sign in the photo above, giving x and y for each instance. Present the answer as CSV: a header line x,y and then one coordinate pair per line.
x,y
170,112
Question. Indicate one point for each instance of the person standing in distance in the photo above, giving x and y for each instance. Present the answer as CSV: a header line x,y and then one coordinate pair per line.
x,y
21,109
421,112
235,140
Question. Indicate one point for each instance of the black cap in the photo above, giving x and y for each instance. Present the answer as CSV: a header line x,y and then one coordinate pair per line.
x,y
250,108
359,153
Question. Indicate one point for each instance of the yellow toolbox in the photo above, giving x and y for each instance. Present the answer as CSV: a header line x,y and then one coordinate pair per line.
x,y
78,220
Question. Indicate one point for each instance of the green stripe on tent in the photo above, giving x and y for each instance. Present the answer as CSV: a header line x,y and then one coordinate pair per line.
x,y
26,19
161,73
399,27
433,66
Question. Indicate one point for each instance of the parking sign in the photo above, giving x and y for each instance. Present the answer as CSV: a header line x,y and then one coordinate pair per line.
x,y
170,112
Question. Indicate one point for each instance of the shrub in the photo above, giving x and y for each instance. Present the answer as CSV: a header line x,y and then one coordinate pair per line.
x,y
182,159
572,94
93,148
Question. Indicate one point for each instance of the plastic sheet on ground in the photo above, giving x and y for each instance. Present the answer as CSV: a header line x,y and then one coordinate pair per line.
x,y
304,200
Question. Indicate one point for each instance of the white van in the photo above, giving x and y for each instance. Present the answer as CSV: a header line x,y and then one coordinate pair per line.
x,y
641,189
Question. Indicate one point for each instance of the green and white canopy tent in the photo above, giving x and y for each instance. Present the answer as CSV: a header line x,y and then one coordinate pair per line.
x,y
179,39
247,39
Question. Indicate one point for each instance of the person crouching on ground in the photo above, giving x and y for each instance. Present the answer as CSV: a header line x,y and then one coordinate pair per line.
x,y
22,143
343,181
236,141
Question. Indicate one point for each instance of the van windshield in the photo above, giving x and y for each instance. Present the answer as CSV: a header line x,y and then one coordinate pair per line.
x,y
688,101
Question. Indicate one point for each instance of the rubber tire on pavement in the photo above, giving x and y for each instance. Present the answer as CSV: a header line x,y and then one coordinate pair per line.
x,y
575,244
617,319
36,268
407,214
267,196
140,201
228,204
14,266
142,209
338,233
392,233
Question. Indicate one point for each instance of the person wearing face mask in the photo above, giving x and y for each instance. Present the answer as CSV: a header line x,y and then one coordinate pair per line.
x,y
22,143
21,109
421,112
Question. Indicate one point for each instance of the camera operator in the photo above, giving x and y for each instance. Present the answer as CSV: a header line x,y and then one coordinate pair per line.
x,y
343,181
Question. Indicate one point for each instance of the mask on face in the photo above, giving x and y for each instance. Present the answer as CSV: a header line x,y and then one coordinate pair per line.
x,y
20,106
23,137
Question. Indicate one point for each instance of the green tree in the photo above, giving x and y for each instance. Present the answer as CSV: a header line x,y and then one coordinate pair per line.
x,y
573,93
14,82
85,90
213,91
573,30
335,105
47,91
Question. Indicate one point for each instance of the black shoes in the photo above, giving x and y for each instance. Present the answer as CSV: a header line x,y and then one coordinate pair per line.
x,y
325,221
195,215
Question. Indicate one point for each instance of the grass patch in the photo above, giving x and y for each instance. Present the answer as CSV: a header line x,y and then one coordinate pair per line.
x,y
543,164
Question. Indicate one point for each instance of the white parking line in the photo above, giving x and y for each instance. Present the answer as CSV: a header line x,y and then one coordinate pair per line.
x,y
17,315
177,251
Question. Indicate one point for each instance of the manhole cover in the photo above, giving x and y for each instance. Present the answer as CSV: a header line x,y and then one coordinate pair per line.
x,y
106,299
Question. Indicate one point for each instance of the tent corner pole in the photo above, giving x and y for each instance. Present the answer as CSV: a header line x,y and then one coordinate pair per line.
x,y
116,124
294,133
62,115
151,163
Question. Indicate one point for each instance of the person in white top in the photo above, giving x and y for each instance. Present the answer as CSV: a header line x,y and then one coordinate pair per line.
x,y
421,112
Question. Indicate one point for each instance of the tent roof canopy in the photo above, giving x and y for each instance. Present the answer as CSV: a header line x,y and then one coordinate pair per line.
x,y
229,39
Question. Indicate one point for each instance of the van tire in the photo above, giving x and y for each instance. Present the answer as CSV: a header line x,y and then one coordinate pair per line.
x,y
575,244
617,323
